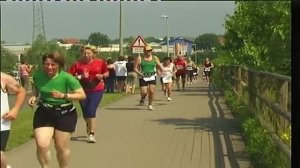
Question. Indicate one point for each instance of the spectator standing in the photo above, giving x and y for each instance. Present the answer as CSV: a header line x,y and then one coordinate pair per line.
x,y
25,70
121,73
110,81
131,76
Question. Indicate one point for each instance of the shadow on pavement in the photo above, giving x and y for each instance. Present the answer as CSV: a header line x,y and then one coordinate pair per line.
x,y
218,124
123,108
79,138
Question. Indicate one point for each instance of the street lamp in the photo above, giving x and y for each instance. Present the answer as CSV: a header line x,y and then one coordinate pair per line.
x,y
166,17
121,30
181,46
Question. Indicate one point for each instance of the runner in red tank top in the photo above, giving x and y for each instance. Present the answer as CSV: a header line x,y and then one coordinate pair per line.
x,y
180,64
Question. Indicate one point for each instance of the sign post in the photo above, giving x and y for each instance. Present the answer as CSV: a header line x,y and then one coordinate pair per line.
x,y
138,45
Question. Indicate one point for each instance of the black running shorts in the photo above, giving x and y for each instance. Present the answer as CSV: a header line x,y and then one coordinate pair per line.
x,y
44,117
4,139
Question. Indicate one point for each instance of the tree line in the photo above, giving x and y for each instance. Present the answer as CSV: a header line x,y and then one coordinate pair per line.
x,y
258,36
40,46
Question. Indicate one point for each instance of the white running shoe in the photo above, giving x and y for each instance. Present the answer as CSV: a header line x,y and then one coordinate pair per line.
x,y
169,98
150,107
91,138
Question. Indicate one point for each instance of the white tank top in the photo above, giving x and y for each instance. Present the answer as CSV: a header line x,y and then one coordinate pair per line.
x,y
168,70
5,125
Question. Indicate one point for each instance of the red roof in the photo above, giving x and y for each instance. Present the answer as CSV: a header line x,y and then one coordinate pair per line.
x,y
70,41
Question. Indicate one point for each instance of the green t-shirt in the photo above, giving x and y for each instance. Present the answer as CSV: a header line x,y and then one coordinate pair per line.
x,y
63,82
148,66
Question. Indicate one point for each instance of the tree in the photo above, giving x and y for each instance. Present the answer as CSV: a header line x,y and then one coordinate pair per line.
x,y
83,41
8,60
207,41
258,35
98,39
39,48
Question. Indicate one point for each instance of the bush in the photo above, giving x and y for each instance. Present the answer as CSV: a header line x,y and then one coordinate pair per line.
x,y
259,146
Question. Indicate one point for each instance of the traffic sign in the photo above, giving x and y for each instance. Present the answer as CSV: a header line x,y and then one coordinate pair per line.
x,y
139,42
137,50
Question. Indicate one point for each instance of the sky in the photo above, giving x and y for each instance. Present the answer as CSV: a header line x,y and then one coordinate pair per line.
x,y
80,19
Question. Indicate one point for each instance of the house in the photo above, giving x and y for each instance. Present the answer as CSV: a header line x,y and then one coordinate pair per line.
x,y
68,42
16,48
73,41
183,45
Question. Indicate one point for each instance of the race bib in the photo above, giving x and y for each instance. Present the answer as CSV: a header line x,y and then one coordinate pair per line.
x,y
151,78
179,67
207,69
167,79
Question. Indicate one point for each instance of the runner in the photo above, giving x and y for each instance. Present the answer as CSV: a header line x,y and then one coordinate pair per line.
x,y
147,74
166,76
55,117
208,70
180,64
190,70
8,83
91,72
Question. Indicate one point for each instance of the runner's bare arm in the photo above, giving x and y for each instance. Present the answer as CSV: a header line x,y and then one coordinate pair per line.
x,y
12,85
34,95
174,69
159,65
77,94
136,65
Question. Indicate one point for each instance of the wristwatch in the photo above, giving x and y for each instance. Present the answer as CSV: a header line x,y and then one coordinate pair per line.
x,y
65,95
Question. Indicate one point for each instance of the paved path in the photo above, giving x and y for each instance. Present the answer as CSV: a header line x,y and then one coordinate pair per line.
x,y
194,130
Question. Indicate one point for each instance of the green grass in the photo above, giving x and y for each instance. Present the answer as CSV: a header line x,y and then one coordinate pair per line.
x,y
21,130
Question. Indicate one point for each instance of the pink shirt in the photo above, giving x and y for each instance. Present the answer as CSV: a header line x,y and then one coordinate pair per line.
x,y
24,70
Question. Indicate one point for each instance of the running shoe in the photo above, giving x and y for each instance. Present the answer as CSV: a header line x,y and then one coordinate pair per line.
x,y
91,138
169,98
150,107
142,102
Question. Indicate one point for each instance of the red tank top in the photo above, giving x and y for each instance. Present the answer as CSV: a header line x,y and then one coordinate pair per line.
x,y
180,65
207,65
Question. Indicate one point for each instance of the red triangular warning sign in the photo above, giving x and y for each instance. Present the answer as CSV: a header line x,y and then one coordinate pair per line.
x,y
139,42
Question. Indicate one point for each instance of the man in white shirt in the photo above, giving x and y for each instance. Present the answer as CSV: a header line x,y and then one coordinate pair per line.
x,y
8,83
121,73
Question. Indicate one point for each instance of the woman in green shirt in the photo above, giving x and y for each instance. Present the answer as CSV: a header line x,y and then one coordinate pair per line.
x,y
56,116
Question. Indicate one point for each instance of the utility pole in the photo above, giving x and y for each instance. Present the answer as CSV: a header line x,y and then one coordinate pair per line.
x,y
121,31
167,30
38,21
